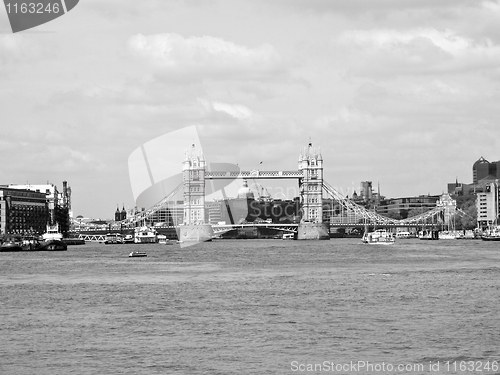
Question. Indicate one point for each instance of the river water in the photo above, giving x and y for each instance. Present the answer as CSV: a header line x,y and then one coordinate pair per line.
x,y
253,307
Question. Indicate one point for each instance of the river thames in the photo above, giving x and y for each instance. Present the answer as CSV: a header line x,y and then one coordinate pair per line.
x,y
253,307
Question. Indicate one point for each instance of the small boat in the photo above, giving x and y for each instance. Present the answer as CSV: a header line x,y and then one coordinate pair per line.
x,y
11,243
129,238
378,237
467,235
114,238
30,243
448,235
163,240
403,234
288,236
137,254
428,235
491,234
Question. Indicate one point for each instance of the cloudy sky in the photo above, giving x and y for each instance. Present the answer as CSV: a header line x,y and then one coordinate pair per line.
x,y
404,93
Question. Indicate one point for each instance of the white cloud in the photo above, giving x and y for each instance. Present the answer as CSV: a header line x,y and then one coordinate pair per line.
x,y
237,111
205,56
446,40
15,48
415,51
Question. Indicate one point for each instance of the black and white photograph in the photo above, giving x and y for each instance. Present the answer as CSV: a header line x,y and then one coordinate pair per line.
x,y
249,187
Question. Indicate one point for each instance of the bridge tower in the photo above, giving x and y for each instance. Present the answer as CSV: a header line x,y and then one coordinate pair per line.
x,y
193,177
311,196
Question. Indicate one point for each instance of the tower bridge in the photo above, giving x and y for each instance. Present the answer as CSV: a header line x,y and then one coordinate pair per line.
x,y
315,218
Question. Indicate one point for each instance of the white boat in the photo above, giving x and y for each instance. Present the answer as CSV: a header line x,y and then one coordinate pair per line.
x,y
137,254
163,240
114,238
52,239
403,234
378,237
52,233
428,235
145,235
491,234
467,235
288,236
129,238
448,235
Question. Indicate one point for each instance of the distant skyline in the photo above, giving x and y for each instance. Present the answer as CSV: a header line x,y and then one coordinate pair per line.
x,y
401,93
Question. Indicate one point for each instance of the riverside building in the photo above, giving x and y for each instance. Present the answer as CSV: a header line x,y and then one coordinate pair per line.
x,y
23,211
488,205
407,206
58,204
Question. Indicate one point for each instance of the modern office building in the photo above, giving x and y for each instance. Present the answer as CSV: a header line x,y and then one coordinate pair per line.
x,y
366,191
488,206
23,211
407,206
172,214
482,169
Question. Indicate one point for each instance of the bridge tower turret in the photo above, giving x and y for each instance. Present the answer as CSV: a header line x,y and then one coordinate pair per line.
x,y
193,176
194,228
311,195
311,188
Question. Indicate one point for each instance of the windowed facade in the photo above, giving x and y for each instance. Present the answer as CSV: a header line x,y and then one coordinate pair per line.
x,y
488,206
23,212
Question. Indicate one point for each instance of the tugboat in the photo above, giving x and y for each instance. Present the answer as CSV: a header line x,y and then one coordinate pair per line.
x,y
52,239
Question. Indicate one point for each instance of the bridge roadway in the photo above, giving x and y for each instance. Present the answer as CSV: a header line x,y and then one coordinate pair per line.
x,y
99,235
267,175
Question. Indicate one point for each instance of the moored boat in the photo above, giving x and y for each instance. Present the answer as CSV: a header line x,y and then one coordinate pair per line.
x,y
129,238
52,240
52,233
378,237
428,235
448,235
491,234
11,243
114,238
145,235
403,234
163,240
52,245
467,235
